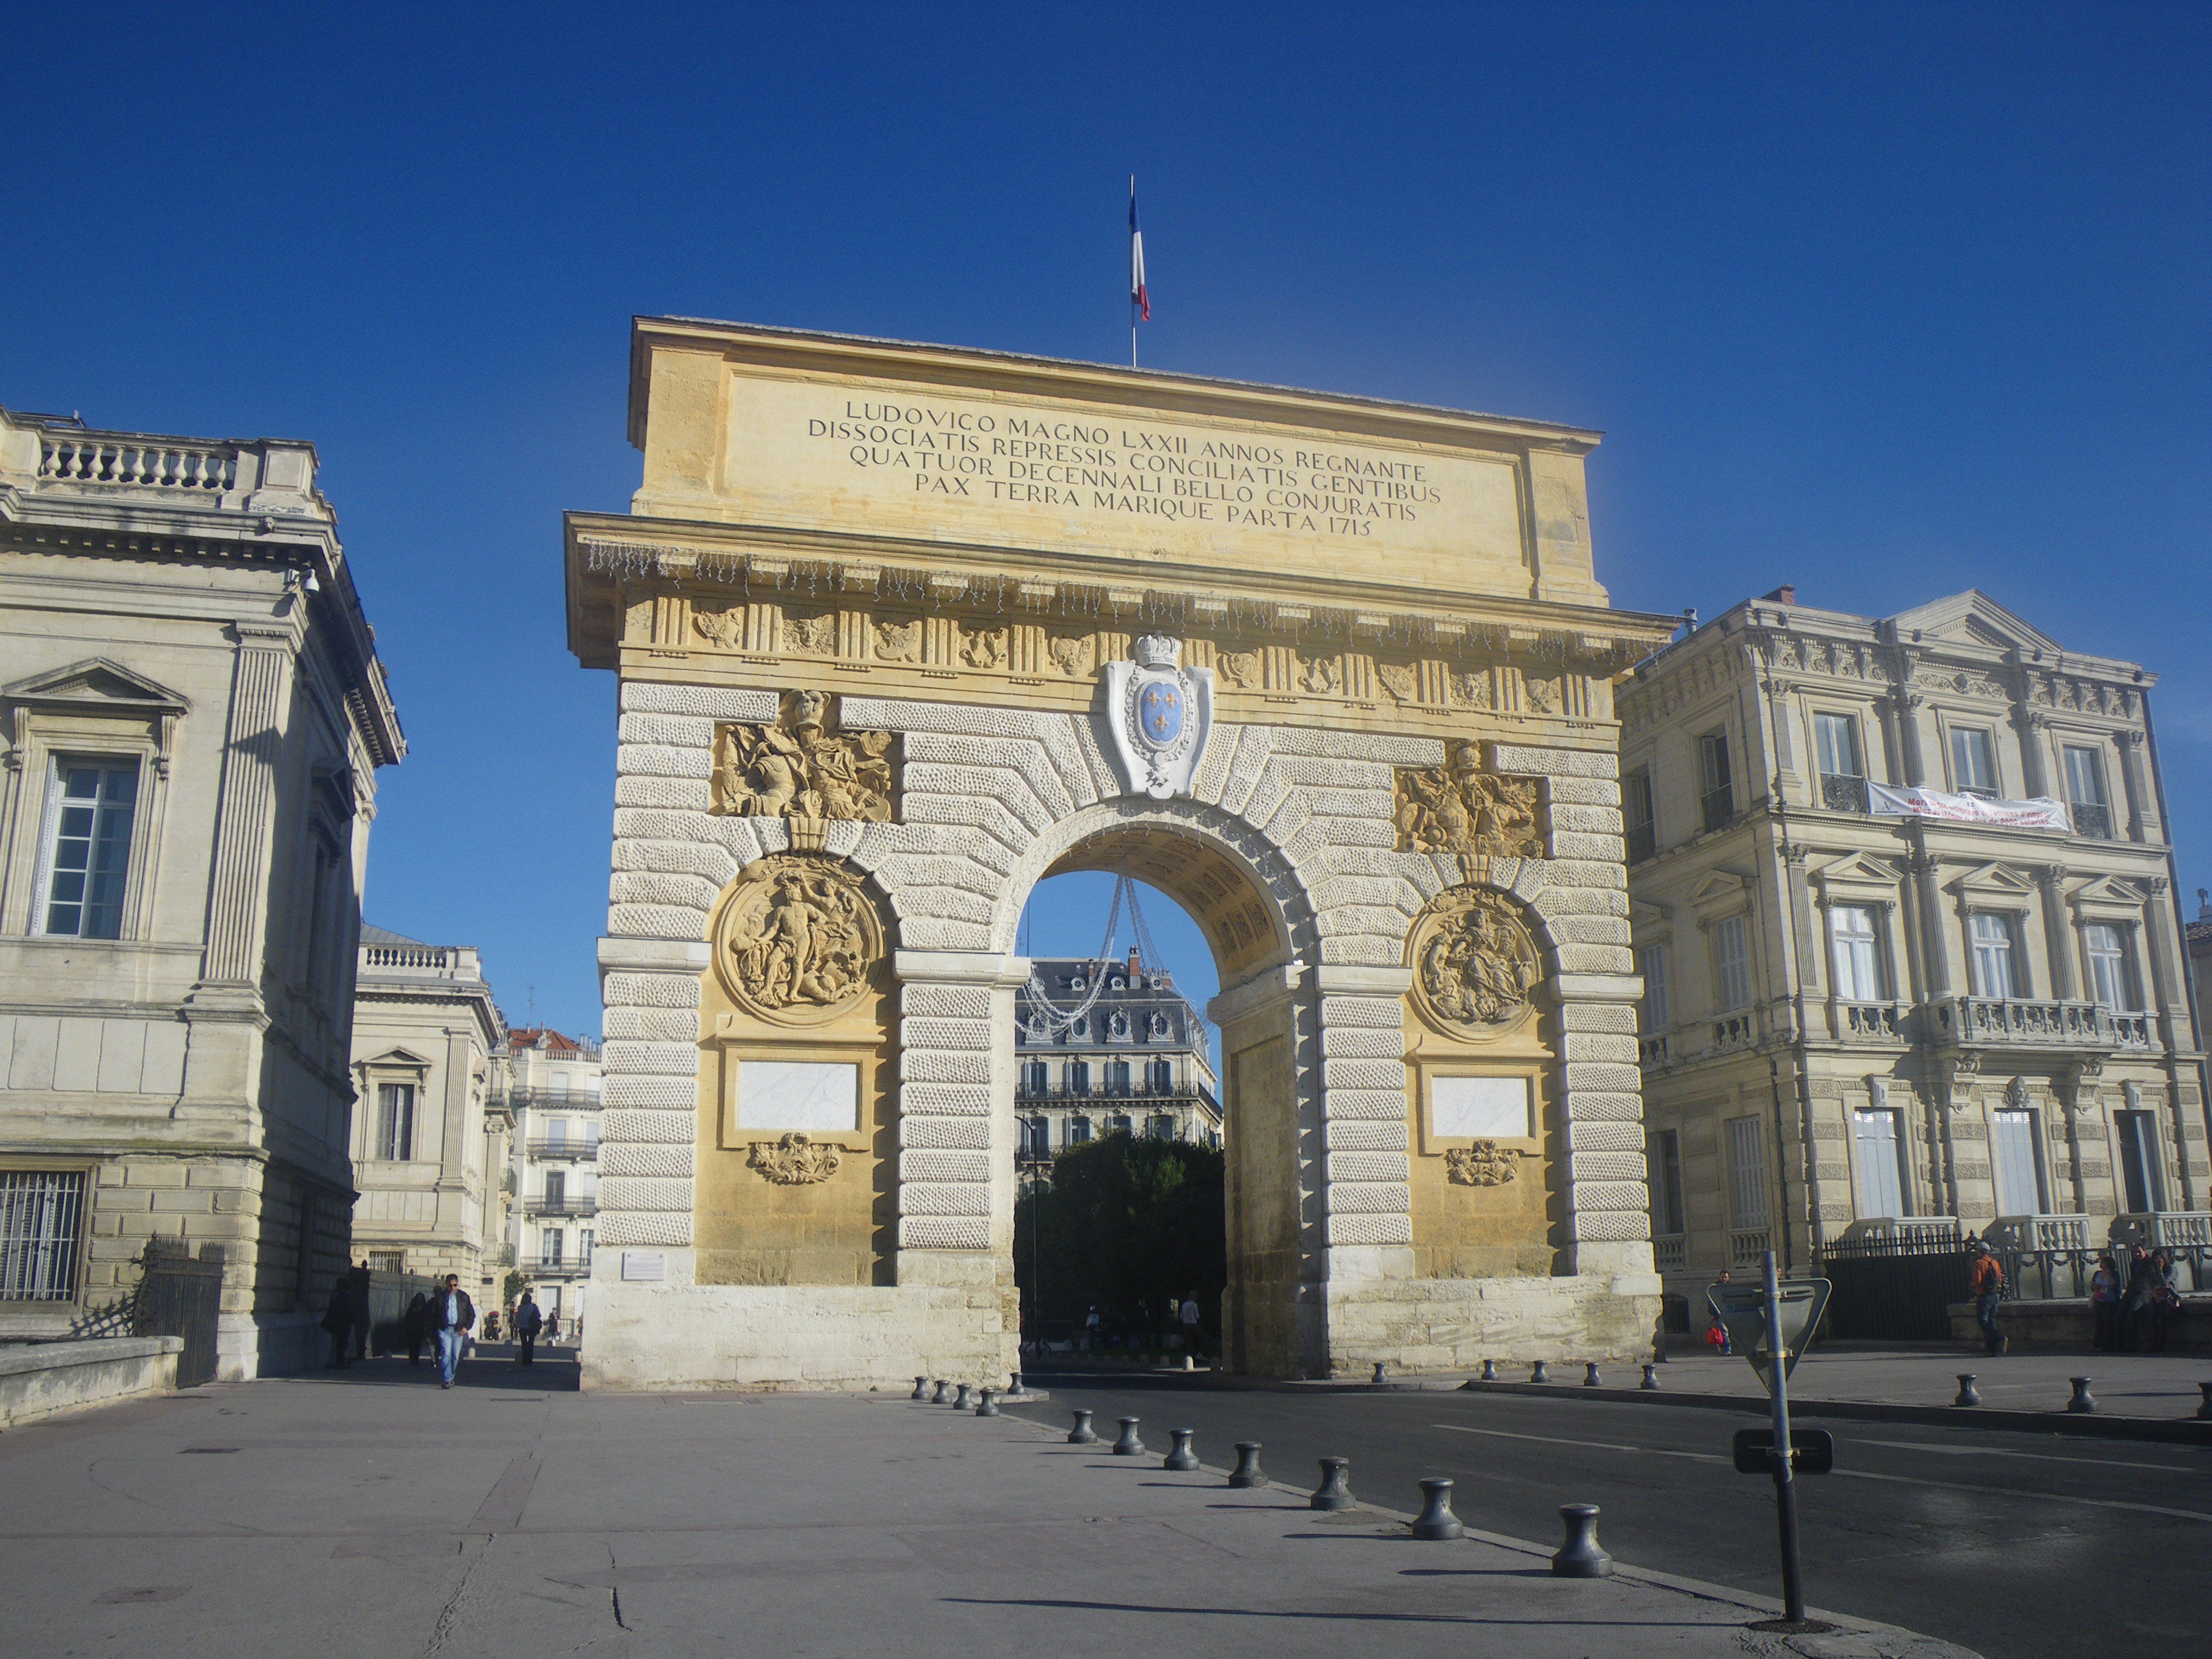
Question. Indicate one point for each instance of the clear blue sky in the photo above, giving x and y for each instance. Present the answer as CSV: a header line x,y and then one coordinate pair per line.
x,y
1889,300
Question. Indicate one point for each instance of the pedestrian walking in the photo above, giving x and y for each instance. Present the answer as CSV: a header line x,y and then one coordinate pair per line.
x,y
2165,1300
2105,1303
1093,1329
417,1323
452,1316
337,1320
2135,1299
527,1322
1716,1333
553,1328
1193,1338
1986,1282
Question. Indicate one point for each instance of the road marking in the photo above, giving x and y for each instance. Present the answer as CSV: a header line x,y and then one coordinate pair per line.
x,y
1855,1474
2039,1457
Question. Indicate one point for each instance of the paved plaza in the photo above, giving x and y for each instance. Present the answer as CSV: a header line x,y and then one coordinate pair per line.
x,y
373,1514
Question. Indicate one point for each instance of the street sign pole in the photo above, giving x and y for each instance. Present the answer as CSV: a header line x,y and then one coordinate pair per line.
x,y
1785,1482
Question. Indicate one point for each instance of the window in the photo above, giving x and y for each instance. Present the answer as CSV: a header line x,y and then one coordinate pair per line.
x,y
2112,970
550,1244
1636,812
1079,1077
556,1190
1034,1079
395,1120
2139,1161
1118,1124
1651,960
1160,1076
1857,953
557,1085
1160,1127
1747,1150
1974,761
1078,1131
88,847
1117,1077
1876,1149
1715,783
583,1247
557,1135
387,1262
1843,772
1731,963
40,1209
1036,1136
1663,1161
2012,1154
2085,793
1991,937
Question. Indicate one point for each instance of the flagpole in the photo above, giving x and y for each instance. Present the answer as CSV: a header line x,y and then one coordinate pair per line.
x,y
1133,292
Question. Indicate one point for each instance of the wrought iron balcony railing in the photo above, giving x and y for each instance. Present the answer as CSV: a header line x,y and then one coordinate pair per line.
x,y
541,1205
1840,793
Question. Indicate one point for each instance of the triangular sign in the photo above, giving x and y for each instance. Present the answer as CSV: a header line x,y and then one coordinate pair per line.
x,y
1743,1309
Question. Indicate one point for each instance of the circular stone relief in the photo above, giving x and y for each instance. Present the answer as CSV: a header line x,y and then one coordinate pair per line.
x,y
798,939
1474,963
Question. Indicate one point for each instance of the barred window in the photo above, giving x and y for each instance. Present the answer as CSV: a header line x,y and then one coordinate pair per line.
x,y
40,1210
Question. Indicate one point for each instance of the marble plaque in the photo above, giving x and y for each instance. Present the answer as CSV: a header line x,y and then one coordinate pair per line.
x,y
820,1097
644,1266
1479,1108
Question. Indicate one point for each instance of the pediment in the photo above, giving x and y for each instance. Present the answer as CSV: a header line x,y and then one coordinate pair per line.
x,y
1859,870
1974,618
97,682
2107,893
397,1057
1718,887
1995,879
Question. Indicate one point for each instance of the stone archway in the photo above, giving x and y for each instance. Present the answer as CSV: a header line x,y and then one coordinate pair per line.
x,y
866,646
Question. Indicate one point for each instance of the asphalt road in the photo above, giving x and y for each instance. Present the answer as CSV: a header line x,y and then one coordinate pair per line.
x,y
2018,1545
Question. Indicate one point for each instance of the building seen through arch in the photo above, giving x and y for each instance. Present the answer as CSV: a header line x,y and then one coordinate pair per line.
x,y
1108,1045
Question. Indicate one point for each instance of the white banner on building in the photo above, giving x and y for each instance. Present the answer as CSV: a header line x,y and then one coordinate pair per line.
x,y
2040,813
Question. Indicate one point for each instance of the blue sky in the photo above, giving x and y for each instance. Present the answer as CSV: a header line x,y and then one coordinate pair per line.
x,y
1886,301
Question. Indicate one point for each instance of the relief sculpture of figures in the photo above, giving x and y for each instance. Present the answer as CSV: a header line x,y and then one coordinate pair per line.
x,y
1460,808
1474,962
1485,1163
795,769
799,938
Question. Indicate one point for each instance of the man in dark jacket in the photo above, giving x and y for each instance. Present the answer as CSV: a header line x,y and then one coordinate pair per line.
x,y
452,1316
527,1322
418,1326
337,1320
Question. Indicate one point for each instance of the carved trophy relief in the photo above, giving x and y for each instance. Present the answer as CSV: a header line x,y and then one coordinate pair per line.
x,y
1073,655
797,767
1460,808
1474,962
811,636
1543,696
796,1160
1485,1163
985,648
898,642
798,938
1239,668
1400,681
1321,676
724,628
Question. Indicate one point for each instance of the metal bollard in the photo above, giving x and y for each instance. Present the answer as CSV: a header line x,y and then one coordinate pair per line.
x,y
1182,1458
939,1398
1590,1378
1490,1371
1967,1394
2082,1399
1582,1558
1436,1521
967,1398
1248,1471
1128,1445
1539,1374
1334,1491
2204,1411
1650,1383
920,1388
988,1405
1015,1385
1378,1371
1080,1435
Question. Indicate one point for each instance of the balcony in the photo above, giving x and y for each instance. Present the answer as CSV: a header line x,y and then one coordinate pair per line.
x,y
541,1205
558,1267
1840,793
1643,842
1652,1051
1733,1031
1168,1097
2017,1023
1718,806
547,1100
1670,1255
2092,822
1870,1022
1748,1245
539,1147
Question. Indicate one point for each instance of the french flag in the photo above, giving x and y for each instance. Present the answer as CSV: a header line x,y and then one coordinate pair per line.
x,y
1140,297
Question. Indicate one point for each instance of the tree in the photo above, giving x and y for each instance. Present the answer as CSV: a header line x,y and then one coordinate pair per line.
x,y
1127,1225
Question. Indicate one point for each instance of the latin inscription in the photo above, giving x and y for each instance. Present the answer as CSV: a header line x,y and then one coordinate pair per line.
x,y
1128,470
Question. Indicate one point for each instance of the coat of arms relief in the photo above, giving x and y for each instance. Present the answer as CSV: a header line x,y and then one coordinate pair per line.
x,y
1461,807
800,766
1160,716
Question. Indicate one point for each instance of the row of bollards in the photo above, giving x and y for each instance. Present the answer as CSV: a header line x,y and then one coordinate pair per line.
x,y
983,1401
1580,1557
1540,1371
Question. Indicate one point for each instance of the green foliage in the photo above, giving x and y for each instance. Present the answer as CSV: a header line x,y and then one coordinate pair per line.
x,y
1127,1225
511,1288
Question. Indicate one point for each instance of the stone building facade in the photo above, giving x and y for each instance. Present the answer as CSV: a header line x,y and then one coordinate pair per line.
x,y
192,716
900,630
1105,1047
1853,1015
431,1129
553,1086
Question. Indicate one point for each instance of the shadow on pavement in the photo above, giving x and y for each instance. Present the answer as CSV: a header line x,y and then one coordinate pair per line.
x,y
490,1366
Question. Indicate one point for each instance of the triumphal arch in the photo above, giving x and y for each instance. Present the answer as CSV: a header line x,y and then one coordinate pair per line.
x,y
900,630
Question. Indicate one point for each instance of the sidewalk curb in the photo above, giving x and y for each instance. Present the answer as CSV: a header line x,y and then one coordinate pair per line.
x,y
1892,1641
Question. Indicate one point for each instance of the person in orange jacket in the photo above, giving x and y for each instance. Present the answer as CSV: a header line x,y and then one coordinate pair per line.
x,y
1987,1282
